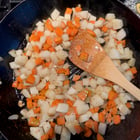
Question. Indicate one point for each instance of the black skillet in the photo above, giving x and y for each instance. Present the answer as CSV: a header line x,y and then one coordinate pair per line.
x,y
12,33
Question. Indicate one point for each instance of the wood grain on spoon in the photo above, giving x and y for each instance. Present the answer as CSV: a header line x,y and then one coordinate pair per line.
x,y
99,63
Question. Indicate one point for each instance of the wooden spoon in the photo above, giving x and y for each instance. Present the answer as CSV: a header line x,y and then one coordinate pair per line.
x,y
98,62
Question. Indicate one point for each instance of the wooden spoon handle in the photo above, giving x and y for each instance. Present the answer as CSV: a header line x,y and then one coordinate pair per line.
x,y
107,70
124,83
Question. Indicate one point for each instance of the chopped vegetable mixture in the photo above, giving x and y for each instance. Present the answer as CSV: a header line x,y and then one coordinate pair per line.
x,y
90,103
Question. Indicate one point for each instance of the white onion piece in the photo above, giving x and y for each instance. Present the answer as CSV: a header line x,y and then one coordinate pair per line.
x,y
65,134
13,117
1,59
102,128
36,132
62,107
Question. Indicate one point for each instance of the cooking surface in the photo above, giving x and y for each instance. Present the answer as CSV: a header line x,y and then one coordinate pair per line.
x,y
6,5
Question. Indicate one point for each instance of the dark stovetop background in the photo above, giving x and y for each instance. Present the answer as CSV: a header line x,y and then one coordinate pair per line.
x,y
6,5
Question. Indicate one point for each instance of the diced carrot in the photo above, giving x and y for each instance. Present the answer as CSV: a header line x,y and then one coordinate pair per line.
x,y
78,9
104,111
49,40
43,91
60,120
84,56
124,43
82,95
60,62
47,64
44,137
58,31
40,33
99,137
30,79
101,117
34,71
15,84
37,110
92,21
60,70
110,104
68,31
95,126
67,71
52,124
128,105
51,133
29,103
71,38
25,53
77,24
36,49
45,46
39,61
47,85
89,92
88,132
116,119
33,121
91,32
89,123
34,37
70,24
73,32
133,70
114,111
56,102
69,102
68,11
104,29
48,25
66,82
78,129
21,86
58,40
69,112
101,18
39,97
51,49
35,104
77,21
94,110
18,79
112,95
76,77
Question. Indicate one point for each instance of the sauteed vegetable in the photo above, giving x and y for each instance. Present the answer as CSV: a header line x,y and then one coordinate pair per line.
x,y
56,104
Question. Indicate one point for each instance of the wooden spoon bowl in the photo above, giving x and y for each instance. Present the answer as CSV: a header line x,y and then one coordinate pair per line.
x,y
98,62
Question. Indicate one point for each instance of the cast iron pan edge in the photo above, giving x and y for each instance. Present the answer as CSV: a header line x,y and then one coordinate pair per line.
x,y
12,32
